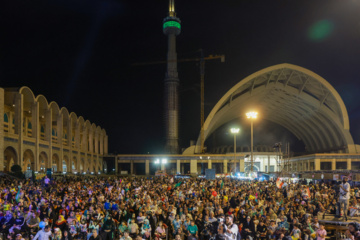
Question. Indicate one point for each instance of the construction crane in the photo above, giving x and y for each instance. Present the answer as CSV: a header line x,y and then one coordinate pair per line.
x,y
201,60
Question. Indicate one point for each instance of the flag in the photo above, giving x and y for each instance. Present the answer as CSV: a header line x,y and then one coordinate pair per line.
x,y
177,185
17,197
279,183
308,192
222,184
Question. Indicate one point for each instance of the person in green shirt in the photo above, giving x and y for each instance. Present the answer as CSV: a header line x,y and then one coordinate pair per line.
x,y
193,230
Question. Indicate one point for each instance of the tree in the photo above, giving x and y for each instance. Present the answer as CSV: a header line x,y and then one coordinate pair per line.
x,y
16,168
16,171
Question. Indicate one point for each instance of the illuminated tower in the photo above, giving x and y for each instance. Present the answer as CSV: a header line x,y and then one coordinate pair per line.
x,y
172,28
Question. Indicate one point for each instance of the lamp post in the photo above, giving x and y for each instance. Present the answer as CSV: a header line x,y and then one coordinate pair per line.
x,y
163,162
157,162
234,131
252,116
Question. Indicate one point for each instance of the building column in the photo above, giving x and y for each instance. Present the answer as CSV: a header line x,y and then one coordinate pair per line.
x,y
178,166
209,164
193,166
101,144
309,168
147,167
268,165
48,136
116,166
2,104
19,114
35,122
348,163
106,144
242,165
317,164
162,166
131,167
225,166
333,164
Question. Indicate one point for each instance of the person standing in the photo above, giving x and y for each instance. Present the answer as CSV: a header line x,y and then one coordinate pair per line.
x,y
321,233
344,197
43,234
232,230
95,235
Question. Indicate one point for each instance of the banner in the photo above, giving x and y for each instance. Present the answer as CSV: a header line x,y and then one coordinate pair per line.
x,y
279,183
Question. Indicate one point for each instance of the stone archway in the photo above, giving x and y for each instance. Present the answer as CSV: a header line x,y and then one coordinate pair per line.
x,y
73,164
29,160
43,161
65,166
82,165
10,158
55,163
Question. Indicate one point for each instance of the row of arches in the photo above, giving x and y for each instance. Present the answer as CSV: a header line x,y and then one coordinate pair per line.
x,y
55,163
34,117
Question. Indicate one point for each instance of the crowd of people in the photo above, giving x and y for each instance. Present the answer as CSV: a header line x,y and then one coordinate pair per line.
x,y
102,208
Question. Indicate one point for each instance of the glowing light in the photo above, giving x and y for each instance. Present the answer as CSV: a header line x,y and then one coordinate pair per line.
x,y
171,24
235,130
164,160
320,30
157,161
252,115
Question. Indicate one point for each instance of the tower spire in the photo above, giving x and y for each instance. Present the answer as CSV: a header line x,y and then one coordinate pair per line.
x,y
172,8
172,28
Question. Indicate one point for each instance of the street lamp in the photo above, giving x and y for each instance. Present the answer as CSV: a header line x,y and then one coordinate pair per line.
x,y
163,162
157,162
235,131
252,116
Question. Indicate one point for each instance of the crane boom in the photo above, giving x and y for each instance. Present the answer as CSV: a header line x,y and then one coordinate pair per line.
x,y
202,60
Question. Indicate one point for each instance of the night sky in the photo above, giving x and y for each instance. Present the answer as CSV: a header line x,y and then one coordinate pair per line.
x,y
80,53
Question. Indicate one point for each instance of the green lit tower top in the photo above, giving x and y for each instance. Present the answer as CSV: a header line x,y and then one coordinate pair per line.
x,y
171,28
171,23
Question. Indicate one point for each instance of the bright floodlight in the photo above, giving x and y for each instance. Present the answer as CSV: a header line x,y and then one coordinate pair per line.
x,y
164,160
157,161
251,115
235,130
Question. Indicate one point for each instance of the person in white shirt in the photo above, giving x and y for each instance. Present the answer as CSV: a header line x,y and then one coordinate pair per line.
x,y
231,229
344,197
354,209
43,234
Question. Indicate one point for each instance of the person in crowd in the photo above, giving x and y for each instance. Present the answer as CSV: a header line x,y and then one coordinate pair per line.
x,y
95,235
193,230
126,236
160,206
160,232
344,198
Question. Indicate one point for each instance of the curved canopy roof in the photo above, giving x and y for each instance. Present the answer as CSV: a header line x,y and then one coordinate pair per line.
x,y
294,97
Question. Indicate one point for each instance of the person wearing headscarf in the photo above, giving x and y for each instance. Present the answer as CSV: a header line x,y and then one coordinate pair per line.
x,y
60,223
146,229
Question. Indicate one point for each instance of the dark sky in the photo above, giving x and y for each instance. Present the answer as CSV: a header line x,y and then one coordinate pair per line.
x,y
79,53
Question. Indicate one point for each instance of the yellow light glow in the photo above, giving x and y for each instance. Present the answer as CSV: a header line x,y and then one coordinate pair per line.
x,y
235,130
252,115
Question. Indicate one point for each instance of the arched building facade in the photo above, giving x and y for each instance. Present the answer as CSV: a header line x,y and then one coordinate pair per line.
x,y
38,135
293,97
